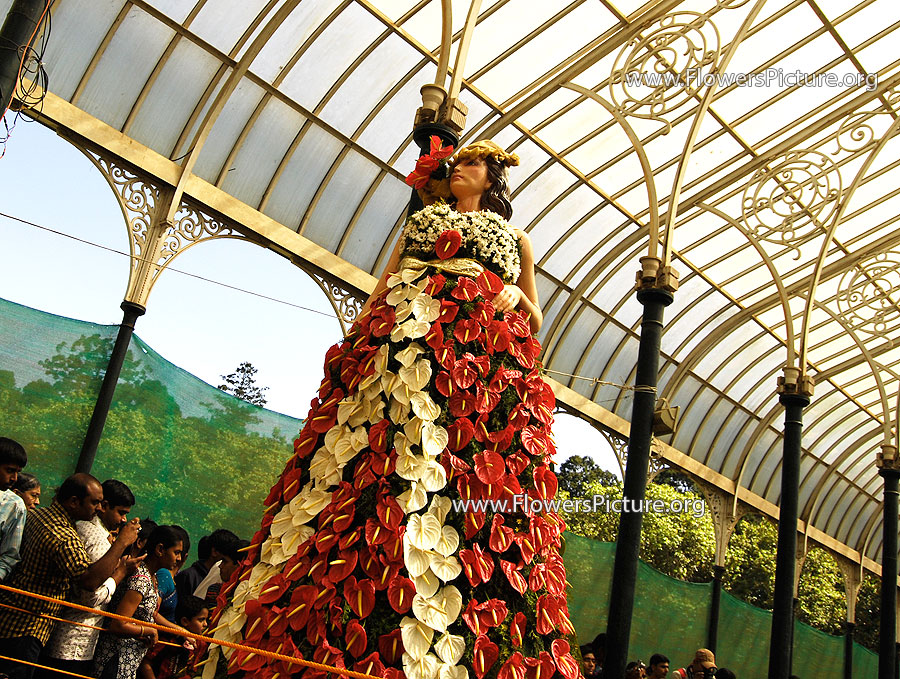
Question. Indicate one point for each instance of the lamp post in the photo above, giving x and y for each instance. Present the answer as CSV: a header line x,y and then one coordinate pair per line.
x,y
889,470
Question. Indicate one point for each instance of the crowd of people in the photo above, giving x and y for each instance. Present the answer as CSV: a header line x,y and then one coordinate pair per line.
x,y
702,666
82,548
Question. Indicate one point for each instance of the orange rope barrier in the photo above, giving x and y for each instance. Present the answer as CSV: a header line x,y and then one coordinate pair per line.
x,y
198,637
74,622
44,667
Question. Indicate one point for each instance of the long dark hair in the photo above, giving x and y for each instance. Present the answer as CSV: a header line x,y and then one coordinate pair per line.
x,y
496,198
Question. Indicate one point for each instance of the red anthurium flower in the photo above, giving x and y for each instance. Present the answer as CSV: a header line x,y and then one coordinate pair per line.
x,y
393,673
447,244
534,440
323,420
356,638
283,644
489,467
523,358
474,522
465,289
466,330
326,539
257,618
492,613
548,613
378,436
383,463
485,399
444,383
301,605
444,354
469,487
315,630
388,575
324,595
483,363
327,654
461,403
291,485
502,379
513,668
526,545
335,615
391,647
545,483
516,462
376,533
496,337
541,667
538,577
517,324
428,163
545,415
470,617
530,390
276,490
490,283
556,575
517,628
434,338
278,622
400,594
458,436
273,589
393,548
337,395
370,665
360,596
318,567
564,660
383,324
485,655
483,313
248,661
348,539
333,355
549,396
464,372
306,443
435,284
455,463
502,439
449,309
389,512
467,559
501,536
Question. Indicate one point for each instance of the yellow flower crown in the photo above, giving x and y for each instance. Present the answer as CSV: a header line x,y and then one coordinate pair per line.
x,y
486,149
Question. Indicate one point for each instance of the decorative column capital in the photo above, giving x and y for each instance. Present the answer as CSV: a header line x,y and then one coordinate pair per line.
x,y
887,460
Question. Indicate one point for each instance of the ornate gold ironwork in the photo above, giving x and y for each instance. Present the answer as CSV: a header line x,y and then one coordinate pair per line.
x,y
792,199
154,242
665,66
725,514
346,303
619,446
868,299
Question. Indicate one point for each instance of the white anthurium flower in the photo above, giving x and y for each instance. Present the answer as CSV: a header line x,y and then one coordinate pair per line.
x,y
382,358
374,411
409,355
450,601
337,442
446,671
260,575
240,595
426,308
439,610
416,375
447,568
413,430
434,477
402,311
271,552
366,382
450,648
402,444
410,467
359,439
324,467
347,408
413,499
282,521
372,392
424,668
401,391
415,290
409,275
209,672
424,406
427,584
291,541
309,503
448,543
417,329
416,637
389,381
423,530
434,439
398,412
394,280
440,506
416,560
396,295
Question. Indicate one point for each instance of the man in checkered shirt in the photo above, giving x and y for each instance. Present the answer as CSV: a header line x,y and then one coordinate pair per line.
x,y
53,559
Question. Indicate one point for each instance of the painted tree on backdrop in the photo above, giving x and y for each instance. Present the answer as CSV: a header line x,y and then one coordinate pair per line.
x,y
682,545
242,383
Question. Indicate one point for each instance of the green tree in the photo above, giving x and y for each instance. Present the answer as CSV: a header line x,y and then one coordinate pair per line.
x,y
821,598
242,383
750,561
578,471
868,612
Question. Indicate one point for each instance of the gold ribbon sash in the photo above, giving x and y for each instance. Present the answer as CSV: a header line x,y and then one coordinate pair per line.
x,y
460,266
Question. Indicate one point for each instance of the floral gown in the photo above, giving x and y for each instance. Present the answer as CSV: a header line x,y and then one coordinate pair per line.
x,y
367,558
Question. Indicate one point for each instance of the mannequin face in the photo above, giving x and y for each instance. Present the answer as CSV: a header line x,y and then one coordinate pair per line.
x,y
469,178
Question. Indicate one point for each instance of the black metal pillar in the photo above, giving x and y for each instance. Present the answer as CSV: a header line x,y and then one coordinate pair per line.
x,y
887,637
786,558
108,387
848,650
628,543
18,32
712,635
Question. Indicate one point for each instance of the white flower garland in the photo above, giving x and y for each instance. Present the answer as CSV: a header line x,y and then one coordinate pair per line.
x,y
486,236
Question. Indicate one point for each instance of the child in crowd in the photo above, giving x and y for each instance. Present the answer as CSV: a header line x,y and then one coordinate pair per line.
x,y
167,662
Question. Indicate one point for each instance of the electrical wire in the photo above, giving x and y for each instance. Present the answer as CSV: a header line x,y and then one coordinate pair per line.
x,y
168,268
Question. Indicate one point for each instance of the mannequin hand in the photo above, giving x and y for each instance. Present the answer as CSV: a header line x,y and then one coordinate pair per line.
x,y
508,298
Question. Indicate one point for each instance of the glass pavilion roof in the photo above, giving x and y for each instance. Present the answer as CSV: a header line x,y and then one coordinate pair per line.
x,y
784,236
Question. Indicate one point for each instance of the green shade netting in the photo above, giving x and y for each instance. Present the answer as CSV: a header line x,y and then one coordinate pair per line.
x,y
196,456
